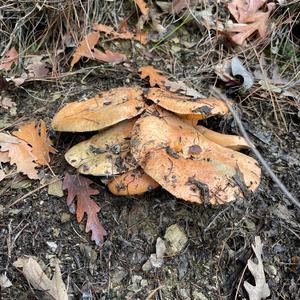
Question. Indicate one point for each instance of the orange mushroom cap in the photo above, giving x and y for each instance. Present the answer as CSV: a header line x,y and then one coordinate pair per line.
x,y
190,108
104,110
134,182
106,153
162,141
230,141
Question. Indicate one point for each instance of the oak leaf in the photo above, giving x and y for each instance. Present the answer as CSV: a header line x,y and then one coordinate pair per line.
x,y
20,154
250,19
4,158
124,34
156,77
143,7
11,57
79,187
36,137
35,275
85,47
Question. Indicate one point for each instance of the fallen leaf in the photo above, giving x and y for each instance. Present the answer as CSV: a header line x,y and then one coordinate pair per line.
x,y
237,68
4,281
35,275
250,19
10,58
108,56
178,5
141,37
79,187
20,154
36,137
156,77
261,289
2,176
4,158
37,67
143,7
85,47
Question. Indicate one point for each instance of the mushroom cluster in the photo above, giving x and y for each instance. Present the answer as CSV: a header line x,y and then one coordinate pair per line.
x,y
151,139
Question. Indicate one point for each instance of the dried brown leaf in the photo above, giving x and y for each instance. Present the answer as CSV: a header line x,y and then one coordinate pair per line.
x,y
10,58
79,187
85,47
36,137
156,77
249,19
35,275
20,154
143,7
261,289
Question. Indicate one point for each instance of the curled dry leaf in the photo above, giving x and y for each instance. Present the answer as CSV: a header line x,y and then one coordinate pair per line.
x,y
143,7
35,275
36,136
106,153
186,106
250,19
79,187
87,49
10,58
124,34
233,142
188,165
134,182
155,76
20,154
261,289
104,110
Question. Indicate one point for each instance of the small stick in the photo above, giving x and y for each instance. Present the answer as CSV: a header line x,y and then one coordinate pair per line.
x,y
30,193
255,151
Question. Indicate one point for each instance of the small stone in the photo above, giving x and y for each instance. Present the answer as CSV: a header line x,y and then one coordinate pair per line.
x,y
147,266
118,276
271,270
55,187
156,262
176,238
56,232
144,282
52,246
65,217
199,296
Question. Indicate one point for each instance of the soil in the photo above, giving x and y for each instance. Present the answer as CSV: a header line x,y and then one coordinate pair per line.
x,y
212,264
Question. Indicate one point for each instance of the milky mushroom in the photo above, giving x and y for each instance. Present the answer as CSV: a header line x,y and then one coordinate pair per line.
x,y
134,182
230,141
104,110
187,107
187,164
106,153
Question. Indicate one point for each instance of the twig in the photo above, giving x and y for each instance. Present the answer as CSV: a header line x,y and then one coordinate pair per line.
x,y
31,192
152,293
255,151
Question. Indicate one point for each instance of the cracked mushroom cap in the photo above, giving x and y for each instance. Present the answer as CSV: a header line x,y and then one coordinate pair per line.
x,y
134,182
106,109
187,164
106,153
187,107
230,141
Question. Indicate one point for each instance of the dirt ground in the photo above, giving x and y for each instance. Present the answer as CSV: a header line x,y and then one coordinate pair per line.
x,y
212,264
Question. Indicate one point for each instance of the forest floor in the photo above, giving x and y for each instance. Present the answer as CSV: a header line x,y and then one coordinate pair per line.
x,y
213,261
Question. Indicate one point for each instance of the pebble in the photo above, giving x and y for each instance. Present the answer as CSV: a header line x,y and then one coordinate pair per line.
x,y
177,239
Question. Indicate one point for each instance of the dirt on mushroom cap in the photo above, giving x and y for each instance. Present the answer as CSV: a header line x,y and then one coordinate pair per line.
x,y
183,142
134,182
187,106
102,111
106,153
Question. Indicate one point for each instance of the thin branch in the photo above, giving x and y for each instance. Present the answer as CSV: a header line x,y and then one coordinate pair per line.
x,y
265,165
